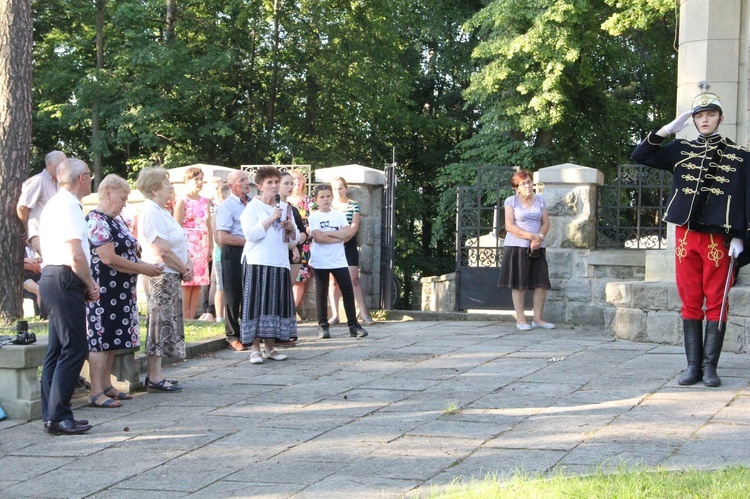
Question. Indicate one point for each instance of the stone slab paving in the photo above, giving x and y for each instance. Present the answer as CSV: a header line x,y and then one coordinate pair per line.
x,y
415,405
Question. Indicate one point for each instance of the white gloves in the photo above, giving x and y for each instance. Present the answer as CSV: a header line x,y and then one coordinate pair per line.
x,y
736,246
679,123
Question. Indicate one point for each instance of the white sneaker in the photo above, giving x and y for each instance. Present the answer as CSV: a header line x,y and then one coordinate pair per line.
x,y
523,327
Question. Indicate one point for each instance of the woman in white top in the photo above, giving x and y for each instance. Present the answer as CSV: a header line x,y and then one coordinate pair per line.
x,y
164,243
268,310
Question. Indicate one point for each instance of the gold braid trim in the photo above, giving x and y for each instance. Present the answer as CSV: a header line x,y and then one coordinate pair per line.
x,y
680,250
714,253
734,157
717,178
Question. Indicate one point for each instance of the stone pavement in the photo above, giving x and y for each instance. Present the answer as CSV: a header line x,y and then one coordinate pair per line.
x,y
413,405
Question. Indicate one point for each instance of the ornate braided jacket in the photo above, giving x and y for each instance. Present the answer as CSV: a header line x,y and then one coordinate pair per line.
x,y
710,189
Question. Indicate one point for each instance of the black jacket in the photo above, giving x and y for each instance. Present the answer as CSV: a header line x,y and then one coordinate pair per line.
x,y
710,189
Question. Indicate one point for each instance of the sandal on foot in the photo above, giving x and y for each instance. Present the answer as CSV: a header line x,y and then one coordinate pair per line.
x,y
161,386
107,404
118,395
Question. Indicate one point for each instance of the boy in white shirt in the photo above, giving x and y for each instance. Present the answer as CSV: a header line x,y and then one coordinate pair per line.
x,y
329,229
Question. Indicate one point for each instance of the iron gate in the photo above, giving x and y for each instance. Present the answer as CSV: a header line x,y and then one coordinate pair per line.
x,y
630,209
480,227
389,290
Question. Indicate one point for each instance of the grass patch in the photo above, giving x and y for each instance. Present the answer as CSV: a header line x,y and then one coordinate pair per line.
x,y
621,483
194,330
452,408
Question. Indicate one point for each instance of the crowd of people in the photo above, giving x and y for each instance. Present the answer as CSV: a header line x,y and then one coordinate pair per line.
x,y
256,253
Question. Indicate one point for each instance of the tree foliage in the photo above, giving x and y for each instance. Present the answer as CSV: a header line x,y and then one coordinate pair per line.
x,y
448,85
566,81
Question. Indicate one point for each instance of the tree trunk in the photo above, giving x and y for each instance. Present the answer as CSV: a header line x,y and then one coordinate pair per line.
x,y
16,30
170,20
95,146
273,91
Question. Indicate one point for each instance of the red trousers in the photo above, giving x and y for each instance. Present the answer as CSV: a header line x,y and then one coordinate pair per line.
x,y
701,265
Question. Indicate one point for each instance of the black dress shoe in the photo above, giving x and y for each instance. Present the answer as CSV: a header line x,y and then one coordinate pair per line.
x,y
66,427
79,422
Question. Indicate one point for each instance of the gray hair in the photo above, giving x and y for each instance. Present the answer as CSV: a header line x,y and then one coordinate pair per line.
x,y
69,170
234,176
54,158
113,182
150,179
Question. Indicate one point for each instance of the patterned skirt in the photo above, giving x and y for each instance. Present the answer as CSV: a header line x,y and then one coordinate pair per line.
x,y
267,304
166,331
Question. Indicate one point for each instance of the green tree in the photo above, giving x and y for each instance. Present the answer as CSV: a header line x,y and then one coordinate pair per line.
x,y
564,81
233,82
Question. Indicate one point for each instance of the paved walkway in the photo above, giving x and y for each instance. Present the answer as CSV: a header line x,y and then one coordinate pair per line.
x,y
414,404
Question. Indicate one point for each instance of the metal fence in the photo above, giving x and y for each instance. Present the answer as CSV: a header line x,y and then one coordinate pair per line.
x,y
630,209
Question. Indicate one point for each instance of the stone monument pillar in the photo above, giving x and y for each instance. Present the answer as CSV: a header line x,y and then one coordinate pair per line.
x,y
571,195
366,188
712,47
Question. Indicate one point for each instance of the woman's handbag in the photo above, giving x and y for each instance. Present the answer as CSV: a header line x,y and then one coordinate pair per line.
x,y
533,254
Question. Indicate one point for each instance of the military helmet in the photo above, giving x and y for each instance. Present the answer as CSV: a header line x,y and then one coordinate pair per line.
x,y
706,100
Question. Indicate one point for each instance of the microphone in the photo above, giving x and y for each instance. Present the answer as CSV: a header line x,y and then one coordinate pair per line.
x,y
277,199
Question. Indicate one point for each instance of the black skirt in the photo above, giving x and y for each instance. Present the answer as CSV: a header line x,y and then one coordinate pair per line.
x,y
518,271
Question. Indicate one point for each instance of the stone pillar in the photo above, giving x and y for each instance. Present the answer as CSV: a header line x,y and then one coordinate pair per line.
x,y
570,192
20,391
366,188
712,47
571,195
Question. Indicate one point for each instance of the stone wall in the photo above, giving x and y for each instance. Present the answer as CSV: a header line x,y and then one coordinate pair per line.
x,y
579,274
438,293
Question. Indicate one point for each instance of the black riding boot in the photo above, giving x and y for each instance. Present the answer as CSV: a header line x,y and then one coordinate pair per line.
x,y
711,352
692,334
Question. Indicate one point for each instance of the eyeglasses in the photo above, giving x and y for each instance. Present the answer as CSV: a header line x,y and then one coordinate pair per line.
x,y
92,175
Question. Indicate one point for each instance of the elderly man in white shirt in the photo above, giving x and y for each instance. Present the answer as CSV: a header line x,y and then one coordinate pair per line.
x,y
35,193
66,285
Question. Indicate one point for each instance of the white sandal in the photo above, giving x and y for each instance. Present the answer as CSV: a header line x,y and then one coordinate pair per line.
x,y
274,355
256,357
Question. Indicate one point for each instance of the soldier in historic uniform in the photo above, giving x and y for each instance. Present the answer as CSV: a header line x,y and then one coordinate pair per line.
x,y
709,204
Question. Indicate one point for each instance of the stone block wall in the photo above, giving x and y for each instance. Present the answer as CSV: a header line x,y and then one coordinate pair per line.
x,y
650,311
438,293
366,188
